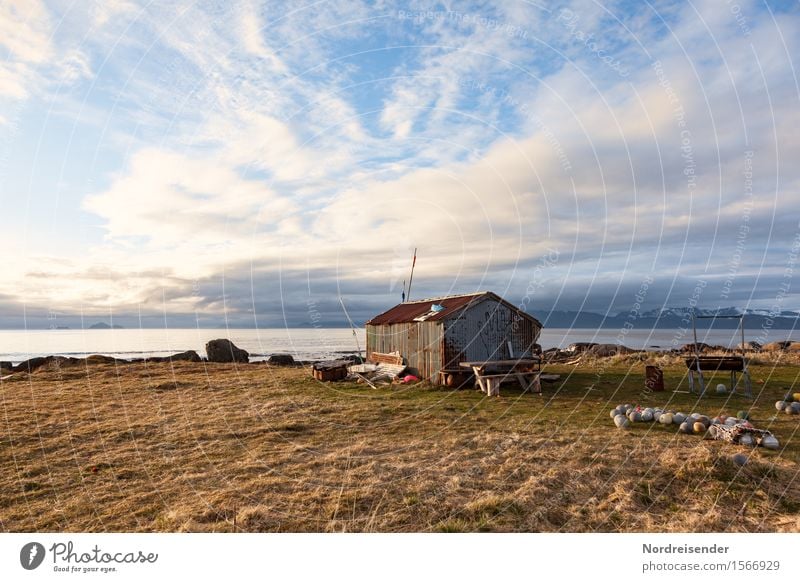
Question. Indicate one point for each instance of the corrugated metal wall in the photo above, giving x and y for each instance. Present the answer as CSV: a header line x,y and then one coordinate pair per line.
x,y
483,332
418,342
480,333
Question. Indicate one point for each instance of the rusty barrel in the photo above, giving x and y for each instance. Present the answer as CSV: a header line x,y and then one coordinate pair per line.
x,y
654,378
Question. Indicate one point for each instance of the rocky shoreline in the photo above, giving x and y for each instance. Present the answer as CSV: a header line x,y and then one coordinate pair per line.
x,y
225,351
601,350
217,351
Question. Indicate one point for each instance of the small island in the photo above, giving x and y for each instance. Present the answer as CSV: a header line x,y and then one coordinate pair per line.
x,y
104,325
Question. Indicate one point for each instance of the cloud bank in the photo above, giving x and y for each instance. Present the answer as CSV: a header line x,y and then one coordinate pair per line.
x,y
213,161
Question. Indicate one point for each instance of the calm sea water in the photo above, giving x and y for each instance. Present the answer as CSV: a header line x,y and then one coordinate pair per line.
x,y
307,344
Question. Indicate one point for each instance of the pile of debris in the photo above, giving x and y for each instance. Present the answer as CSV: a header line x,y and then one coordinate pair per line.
x,y
735,429
380,369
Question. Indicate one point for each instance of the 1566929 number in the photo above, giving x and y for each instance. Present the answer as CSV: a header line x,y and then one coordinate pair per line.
x,y
764,565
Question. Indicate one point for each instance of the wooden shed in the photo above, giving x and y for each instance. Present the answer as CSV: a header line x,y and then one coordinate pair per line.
x,y
435,335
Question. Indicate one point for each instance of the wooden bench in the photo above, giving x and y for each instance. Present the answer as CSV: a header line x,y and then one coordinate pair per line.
x,y
490,374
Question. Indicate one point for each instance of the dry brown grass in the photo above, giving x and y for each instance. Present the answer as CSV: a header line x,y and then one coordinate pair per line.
x,y
194,447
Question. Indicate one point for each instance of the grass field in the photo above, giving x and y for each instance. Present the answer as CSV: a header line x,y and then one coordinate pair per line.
x,y
194,447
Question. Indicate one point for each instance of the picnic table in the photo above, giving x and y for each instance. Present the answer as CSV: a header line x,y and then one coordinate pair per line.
x,y
490,374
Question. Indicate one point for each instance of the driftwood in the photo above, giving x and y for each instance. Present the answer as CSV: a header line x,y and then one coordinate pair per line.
x,y
380,358
361,376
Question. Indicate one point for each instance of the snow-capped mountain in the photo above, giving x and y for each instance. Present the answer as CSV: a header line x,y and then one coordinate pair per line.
x,y
681,312
672,317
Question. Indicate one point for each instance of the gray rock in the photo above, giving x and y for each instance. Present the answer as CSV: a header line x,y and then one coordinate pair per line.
x,y
187,356
281,360
224,351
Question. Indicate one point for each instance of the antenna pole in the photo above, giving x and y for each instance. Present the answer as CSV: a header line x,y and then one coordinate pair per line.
x,y
411,279
352,326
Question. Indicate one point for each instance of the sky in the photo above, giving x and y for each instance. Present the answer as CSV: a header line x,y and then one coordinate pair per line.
x,y
262,163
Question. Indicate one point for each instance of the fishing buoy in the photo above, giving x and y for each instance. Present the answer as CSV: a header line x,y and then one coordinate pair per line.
x,y
627,407
731,420
743,415
788,397
747,440
781,405
647,416
665,418
796,396
739,459
678,418
614,413
721,389
699,427
695,416
686,427
621,421
795,406
770,442
636,416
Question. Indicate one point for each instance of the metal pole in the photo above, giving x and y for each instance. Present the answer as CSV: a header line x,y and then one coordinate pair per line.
x,y
742,326
411,279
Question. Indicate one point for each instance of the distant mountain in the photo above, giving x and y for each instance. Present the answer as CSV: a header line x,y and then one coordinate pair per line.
x,y
671,318
104,325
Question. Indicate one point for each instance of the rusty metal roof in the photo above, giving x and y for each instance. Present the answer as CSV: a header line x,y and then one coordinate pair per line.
x,y
409,311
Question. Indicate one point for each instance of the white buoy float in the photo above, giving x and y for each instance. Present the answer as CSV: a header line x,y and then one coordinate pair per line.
x,y
770,442
621,421
747,440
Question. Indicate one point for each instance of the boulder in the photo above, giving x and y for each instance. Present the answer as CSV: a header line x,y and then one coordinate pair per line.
x,y
702,347
753,346
580,347
777,346
48,362
281,360
224,351
6,365
605,350
98,359
187,356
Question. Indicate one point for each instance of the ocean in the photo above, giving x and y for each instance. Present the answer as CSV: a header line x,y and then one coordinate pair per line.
x,y
312,344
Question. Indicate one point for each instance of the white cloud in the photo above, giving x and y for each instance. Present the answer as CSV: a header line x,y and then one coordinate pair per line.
x,y
25,35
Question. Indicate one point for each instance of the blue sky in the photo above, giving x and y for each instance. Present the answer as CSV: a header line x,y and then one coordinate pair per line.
x,y
239,162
